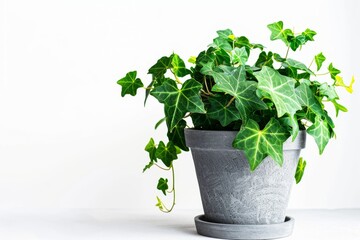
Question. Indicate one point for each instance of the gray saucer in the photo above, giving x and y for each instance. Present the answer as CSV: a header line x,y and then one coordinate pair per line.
x,y
239,231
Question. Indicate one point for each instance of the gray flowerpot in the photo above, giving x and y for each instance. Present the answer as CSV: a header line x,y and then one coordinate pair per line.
x,y
230,193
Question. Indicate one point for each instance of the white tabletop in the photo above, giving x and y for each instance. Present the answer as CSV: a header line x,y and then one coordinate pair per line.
x,y
106,224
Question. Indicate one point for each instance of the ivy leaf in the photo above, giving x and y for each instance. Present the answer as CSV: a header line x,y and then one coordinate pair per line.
x,y
277,32
178,66
296,64
207,68
339,81
222,43
296,42
220,110
161,66
166,153
278,58
281,90
179,101
320,131
265,59
319,59
328,91
203,121
159,122
177,135
159,203
300,170
224,33
239,56
236,85
130,84
258,144
192,60
151,149
148,166
163,185
309,34
338,107
333,71
307,99
292,123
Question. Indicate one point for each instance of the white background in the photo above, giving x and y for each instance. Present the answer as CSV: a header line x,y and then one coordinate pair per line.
x,y
67,138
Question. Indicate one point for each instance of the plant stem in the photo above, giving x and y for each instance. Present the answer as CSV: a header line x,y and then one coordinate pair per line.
x,y
312,61
322,74
230,102
148,88
167,210
287,52
176,78
166,169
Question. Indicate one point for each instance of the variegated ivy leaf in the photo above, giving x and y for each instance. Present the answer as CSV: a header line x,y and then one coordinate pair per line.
x,y
179,101
292,123
233,82
281,90
258,144
307,99
130,84
278,32
239,56
319,59
297,65
221,110
320,131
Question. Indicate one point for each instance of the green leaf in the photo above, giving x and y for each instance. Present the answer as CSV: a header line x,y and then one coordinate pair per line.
x,y
258,144
234,83
319,59
307,99
278,58
265,59
178,66
148,166
339,81
203,121
239,56
177,135
224,33
296,64
296,42
300,170
151,149
338,107
333,71
281,90
292,123
277,32
207,68
309,34
222,43
179,101
320,131
220,110
328,91
163,185
130,84
159,122
166,153
162,65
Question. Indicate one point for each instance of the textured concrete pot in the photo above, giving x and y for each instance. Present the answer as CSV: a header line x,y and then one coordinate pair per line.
x,y
230,193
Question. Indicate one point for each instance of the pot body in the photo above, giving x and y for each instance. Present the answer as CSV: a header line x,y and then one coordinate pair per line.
x,y
230,192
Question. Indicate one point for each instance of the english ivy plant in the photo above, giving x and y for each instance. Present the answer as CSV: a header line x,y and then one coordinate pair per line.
x,y
266,101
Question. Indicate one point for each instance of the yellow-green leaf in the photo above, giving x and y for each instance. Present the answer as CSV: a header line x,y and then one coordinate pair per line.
x,y
340,82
